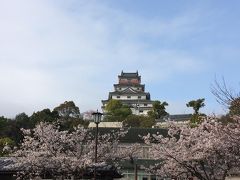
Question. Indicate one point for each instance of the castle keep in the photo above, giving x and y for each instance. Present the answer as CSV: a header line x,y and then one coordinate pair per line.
x,y
131,92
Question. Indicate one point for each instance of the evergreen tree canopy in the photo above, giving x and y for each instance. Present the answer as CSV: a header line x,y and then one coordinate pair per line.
x,y
159,110
196,104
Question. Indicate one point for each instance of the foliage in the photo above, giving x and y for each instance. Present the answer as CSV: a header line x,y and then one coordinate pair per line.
x,y
66,114
9,128
47,150
5,145
70,123
4,123
210,151
138,121
112,105
197,119
23,121
159,110
196,104
45,115
70,117
132,121
68,109
124,111
225,119
234,108
116,111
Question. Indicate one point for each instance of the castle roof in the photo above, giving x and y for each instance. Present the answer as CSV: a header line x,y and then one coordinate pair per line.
x,y
132,101
176,118
129,90
129,84
129,75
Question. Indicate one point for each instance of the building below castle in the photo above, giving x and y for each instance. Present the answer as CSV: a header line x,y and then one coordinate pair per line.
x,y
131,92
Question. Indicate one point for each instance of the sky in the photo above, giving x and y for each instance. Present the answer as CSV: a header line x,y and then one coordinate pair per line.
x,y
53,51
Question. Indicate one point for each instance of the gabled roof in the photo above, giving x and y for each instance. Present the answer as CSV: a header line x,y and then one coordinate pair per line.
x,y
129,75
129,90
6,165
5,162
180,117
176,118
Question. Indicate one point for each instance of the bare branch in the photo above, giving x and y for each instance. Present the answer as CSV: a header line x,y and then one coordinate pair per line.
x,y
224,95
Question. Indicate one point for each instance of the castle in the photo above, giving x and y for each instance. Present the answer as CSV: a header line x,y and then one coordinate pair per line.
x,y
131,92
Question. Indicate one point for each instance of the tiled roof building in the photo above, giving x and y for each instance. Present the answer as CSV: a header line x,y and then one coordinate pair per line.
x,y
130,91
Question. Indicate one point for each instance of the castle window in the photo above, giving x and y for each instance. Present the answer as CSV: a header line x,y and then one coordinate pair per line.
x,y
139,97
118,97
128,97
145,104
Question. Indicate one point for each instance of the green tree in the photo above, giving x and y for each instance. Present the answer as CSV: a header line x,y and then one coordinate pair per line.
x,y
113,105
196,104
4,126
116,111
132,121
234,108
23,121
226,119
44,116
147,122
69,116
4,143
124,111
68,109
138,121
9,129
159,110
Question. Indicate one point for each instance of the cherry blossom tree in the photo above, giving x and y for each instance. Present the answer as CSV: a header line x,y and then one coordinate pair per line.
x,y
209,151
48,151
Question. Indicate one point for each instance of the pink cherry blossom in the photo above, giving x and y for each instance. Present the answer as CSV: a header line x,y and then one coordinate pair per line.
x,y
209,151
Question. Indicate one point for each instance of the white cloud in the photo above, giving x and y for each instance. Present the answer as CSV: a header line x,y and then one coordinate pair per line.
x,y
73,50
